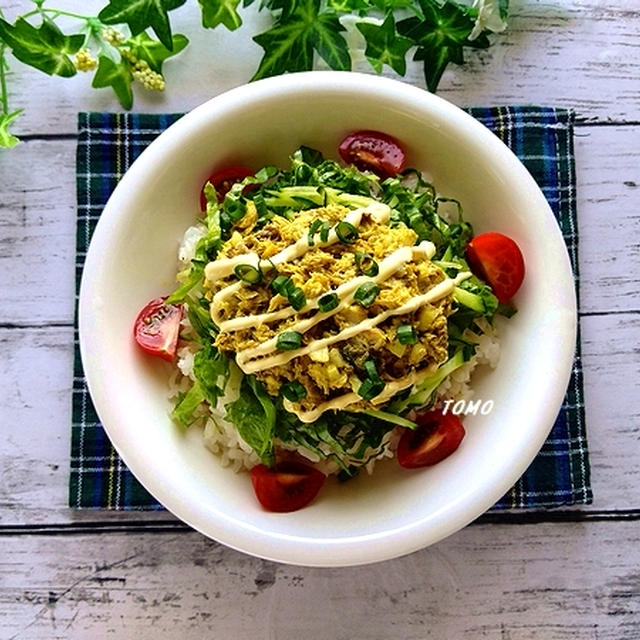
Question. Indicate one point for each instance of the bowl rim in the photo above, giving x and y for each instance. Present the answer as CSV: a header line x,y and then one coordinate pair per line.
x,y
302,550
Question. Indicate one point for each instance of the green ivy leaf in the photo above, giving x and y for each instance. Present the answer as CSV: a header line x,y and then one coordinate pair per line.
x,y
154,52
118,76
329,42
351,6
142,14
215,12
385,45
504,8
440,36
291,43
364,7
287,47
7,139
435,61
285,6
45,47
392,5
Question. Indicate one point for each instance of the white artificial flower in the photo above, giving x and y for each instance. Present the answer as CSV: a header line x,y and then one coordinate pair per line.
x,y
488,18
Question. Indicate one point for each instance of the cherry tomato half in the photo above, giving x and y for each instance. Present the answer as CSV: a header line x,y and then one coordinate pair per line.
x,y
223,180
497,259
438,435
373,151
288,486
157,327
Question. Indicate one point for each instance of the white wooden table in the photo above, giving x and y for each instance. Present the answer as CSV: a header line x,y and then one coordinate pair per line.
x,y
559,574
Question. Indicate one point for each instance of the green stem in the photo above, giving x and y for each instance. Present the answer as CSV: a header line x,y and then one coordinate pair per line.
x,y
55,13
4,98
93,24
3,82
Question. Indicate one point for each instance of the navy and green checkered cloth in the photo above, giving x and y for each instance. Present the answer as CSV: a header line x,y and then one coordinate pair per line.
x,y
541,137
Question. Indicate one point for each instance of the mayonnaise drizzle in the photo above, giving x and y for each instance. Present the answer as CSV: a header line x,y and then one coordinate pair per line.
x,y
258,358
346,400
223,267
248,362
345,292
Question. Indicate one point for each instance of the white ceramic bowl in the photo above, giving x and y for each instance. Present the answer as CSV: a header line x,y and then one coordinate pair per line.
x,y
132,259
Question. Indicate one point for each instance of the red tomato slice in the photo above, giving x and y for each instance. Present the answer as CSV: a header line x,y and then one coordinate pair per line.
x,y
438,435
497,259
223,180
373,151
289,486
157,327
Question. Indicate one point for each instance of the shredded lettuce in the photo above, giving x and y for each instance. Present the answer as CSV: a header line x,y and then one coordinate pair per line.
x,y
254,414
392,418
187,404
350,439
211,373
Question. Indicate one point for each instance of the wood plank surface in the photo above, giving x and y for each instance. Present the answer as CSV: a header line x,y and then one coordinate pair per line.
x,y
574,53
37,232
496,582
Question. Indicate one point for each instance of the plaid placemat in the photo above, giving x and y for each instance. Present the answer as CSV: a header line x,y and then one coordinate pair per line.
x,y
541,137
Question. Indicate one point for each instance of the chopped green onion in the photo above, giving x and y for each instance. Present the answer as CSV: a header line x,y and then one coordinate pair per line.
x,y
260,204
371,370
268,270
234,206
282,285
318,226
285,287
417,223
346,232
373,384
247,273
296,298
406,334
289,340
328,302
313,229
324,231
369,388
366,293
366,264
293,391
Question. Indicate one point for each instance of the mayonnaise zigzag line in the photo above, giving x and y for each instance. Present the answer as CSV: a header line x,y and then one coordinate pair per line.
x,y
249,365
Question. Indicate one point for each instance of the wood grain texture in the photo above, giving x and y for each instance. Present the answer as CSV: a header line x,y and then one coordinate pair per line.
x,y
574,53
608,192
37,232
36,416
488,581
